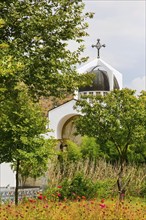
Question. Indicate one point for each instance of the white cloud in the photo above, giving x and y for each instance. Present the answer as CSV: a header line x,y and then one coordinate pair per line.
x,y
138,84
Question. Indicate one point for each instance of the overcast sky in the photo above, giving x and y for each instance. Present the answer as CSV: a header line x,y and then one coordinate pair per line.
x,y
121,26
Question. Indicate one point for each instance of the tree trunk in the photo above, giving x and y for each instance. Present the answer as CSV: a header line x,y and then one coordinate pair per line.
x,y
17,181
120,184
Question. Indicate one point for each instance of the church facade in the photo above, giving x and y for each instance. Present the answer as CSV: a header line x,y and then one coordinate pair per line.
x,y
61,118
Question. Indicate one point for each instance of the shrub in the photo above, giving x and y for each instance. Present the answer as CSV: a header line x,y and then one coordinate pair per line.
x,y
82,186
77,187
72,154
89,148
106,188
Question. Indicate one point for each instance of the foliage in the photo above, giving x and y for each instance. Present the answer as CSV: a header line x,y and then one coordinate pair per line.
x,y
21,141
90,149
102,173
105,188
137,153
21,124
37,34
118,118
82,186
76,188
72,152
35,61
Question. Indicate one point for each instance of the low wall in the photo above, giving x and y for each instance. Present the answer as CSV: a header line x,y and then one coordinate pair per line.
x,y
9,194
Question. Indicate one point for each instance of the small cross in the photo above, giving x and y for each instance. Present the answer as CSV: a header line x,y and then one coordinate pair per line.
x,y
98,46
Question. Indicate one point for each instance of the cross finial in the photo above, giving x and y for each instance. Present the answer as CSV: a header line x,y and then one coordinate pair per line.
x,y
98,46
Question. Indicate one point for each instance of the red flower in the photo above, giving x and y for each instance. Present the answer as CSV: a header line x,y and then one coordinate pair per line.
x,y
58,194
59,187
102,205
40,197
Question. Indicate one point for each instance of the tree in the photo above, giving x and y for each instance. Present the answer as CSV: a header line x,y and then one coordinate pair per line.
x,y
37,33
118,118
35,60
21,126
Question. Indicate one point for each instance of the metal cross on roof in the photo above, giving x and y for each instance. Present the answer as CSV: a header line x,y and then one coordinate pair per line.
x,y
98,46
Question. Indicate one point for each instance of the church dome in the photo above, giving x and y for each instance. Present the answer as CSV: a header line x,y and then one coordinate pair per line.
x,y
100,81
116,85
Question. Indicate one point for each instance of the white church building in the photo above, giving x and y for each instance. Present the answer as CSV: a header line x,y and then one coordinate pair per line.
x,y
61,117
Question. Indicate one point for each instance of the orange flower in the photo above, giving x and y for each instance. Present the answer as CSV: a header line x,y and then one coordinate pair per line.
x,y
32,200
102,200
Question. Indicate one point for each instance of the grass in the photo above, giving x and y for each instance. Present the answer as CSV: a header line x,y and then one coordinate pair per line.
x,y
80,209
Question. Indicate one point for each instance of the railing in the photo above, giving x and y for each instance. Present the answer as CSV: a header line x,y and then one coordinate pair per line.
x,y
9,194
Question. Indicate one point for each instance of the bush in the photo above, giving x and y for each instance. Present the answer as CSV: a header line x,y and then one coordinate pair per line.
x,y
72,154
82,186
106,188
89,148
76,188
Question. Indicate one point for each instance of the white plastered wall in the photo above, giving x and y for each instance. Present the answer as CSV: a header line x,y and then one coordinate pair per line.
x,y
58,116
7,176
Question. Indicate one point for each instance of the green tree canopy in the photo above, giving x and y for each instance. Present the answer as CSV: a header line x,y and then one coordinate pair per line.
x,y
22,126
118,118
35,60
37,33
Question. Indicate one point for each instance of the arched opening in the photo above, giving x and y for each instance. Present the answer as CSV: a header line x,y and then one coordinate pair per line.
x,y
69,130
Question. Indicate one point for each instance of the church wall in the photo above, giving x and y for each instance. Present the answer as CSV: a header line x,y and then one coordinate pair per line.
x,y
7,176
58,116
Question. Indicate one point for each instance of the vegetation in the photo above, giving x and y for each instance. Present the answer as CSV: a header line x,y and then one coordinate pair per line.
x,y
35,61
37,34
79,194
118,119
21,126
21,121
81,209
98,177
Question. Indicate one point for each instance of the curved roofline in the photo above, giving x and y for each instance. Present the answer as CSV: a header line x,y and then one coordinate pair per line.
x,y
98,62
